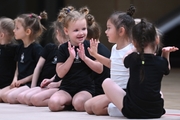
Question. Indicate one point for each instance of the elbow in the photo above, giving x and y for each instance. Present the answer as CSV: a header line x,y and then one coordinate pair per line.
x,y
100,70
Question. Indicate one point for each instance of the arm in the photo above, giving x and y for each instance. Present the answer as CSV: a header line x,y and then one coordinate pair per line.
x,y
46,82
54,84
24,80
13,84
94,65
37,71
63,68
166,52
93,52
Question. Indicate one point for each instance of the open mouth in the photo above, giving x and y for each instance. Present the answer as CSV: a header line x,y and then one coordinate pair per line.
x,y
80,38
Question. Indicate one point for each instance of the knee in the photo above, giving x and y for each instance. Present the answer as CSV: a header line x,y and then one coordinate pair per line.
x,y
20,97
35,100
106,82
97,110
11,98
54,105
78,104
87,107
4,97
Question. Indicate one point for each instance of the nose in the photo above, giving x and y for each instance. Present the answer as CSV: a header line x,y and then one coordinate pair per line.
x,y
106,31
80,32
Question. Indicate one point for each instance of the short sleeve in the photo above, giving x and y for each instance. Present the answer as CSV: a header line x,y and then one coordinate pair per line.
x,y
62,53
129,59
46,50
36,51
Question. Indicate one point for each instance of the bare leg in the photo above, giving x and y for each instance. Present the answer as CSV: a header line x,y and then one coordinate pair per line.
x,y
27,97
100,106
97,105
12,96
21,96
41,99
58,100
2,91
114,92
79,99
5,94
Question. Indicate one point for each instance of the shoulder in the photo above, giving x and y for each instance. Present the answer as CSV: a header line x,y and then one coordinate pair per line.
x,y
86,43
50,46
162,59
132,56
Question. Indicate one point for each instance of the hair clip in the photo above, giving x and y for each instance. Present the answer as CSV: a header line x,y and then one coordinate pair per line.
x,y
68,10
143,62
30,15
40,17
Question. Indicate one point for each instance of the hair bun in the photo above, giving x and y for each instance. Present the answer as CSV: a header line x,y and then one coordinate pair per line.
x,y
131,10
43,15
84,10
90,19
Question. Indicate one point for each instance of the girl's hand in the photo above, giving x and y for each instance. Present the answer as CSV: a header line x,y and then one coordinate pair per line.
x,y
71,50
18,83
45,82
169,49
81,51
93,47
13,85
53,85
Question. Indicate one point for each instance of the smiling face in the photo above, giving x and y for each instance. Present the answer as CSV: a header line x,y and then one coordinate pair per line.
x,y
111,32
77,31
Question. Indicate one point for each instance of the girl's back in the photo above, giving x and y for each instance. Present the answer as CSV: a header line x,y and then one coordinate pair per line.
x,y
146,96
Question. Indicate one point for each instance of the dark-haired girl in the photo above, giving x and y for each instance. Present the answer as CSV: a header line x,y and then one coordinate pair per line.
x,y
142,98
119,27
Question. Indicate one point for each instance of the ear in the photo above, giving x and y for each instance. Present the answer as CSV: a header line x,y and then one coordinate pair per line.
x,y
1,34
28,31
65,30
121,31
157,40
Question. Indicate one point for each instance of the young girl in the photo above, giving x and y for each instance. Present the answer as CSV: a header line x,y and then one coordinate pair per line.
x,y
27,28
7,54
142,98
74,65
119,27
94,32
39,96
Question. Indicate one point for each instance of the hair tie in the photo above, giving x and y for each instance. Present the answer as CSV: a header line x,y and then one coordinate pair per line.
x,y
143,62
68,10
30,15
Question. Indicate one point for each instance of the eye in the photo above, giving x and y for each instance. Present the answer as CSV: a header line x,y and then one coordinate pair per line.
x,y
84,29
75,30
108,28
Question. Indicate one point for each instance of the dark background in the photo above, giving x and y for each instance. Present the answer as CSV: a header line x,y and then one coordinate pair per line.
x,y
171,36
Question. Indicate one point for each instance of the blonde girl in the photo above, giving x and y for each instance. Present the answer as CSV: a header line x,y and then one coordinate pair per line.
x,y
75,65
7,54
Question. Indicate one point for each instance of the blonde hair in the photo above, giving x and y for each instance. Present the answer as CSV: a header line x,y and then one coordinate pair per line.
x,y
69,14
7,27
